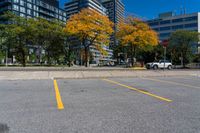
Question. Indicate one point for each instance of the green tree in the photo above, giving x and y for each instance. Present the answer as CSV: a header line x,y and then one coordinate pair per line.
x,y
151,54
22,34
180,45
17,36
50,36
69,49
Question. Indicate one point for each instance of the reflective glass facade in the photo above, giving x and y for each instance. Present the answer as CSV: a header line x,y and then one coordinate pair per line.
x,y
115,10
166,25
33,8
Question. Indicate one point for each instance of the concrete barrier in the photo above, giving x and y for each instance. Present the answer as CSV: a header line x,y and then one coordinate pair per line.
x,y
28,75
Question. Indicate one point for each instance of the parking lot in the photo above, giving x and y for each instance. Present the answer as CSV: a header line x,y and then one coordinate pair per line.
x,y
111,105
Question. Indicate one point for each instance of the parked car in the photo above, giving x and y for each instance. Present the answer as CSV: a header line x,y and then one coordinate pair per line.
x,y
160,64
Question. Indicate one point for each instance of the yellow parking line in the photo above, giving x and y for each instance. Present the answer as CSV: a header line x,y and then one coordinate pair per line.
x,y
171,82
138,90
58,97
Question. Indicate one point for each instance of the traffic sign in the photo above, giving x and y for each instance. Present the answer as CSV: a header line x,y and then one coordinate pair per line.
x,y
165,43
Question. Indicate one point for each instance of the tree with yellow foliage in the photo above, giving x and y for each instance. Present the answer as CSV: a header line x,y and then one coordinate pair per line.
x,y
92,29
135,34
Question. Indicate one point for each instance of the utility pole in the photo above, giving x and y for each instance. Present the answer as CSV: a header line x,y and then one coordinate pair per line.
x,y
165,44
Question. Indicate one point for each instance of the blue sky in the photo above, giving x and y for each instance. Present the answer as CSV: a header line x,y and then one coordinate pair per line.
x,y
150,8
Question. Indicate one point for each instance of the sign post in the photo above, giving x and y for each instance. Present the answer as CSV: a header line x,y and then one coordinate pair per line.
x,y
165,44
165,49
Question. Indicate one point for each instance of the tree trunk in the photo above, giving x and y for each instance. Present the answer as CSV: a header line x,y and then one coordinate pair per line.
x,y
182,60
86,57
132,61
134,54
48,59
23,59
69,57
23,55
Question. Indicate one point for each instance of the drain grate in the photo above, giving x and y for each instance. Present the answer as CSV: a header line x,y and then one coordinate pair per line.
x,y
4,128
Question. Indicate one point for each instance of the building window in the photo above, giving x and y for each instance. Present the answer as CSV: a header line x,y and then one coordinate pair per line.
x,y
153,23
191,25
165,22
165,28
29,0
195,18
29,5
22,3
22,9
177,27
34,13
16,7
28,11
35,8
16,1
177,20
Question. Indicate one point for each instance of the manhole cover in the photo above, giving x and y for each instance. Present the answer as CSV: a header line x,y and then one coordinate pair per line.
x,y
4,128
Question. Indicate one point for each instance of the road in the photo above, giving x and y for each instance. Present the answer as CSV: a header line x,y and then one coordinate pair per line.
x,y
111,105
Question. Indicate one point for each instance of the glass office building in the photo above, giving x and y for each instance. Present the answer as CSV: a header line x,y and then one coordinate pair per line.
x,y
167,23
74,6
115,11
47,9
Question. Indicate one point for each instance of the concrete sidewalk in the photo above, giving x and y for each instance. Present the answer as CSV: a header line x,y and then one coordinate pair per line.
x,y
74,74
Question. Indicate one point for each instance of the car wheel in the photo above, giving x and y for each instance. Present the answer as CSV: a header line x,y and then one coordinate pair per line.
x,y
155,67
169,67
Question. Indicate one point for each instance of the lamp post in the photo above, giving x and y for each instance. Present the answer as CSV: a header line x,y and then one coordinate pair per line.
x,y
165,49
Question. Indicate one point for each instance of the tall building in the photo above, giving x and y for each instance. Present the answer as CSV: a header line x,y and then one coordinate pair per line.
x,y
75,6
115,10
167,23
47,9
54,3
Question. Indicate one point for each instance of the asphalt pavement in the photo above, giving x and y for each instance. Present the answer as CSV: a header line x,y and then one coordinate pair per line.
x,y
111,105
